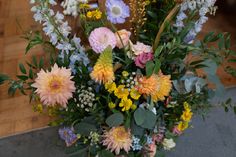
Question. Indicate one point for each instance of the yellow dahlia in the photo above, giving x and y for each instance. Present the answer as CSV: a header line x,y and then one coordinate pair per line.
x,y
157,86
116,139
54,87
103,69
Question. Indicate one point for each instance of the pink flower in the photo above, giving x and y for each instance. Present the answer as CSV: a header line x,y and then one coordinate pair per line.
x,y
54,87
152,149
100,38
116,139
122,35
140,48
142,59
176,131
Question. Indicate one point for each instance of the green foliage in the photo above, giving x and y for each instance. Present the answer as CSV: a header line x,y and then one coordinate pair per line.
x,y
3,78
145,118
115,119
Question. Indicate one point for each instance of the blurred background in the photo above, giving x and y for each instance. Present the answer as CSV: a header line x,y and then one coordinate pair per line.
x,y
16,114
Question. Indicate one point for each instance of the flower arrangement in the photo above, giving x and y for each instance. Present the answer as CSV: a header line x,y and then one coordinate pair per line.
x,y
130,91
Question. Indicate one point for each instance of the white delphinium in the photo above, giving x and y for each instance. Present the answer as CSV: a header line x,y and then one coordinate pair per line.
x,y
71,7
57,29
203,7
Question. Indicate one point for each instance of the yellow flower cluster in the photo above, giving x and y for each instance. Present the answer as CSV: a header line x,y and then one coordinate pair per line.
x,y
186,117
123,93
95,14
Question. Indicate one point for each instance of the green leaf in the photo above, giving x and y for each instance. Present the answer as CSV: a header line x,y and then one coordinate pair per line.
x,y
22,68
221,43
157,66
34,60
139,116
31,74
3,78
41,63
22,77
234,109
150,120
85,128
80,152
106,153
227,41
158,51
149,68
208,37
115,119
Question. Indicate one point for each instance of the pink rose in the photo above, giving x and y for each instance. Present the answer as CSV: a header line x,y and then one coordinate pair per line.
x,y
140,48
142,59
124,35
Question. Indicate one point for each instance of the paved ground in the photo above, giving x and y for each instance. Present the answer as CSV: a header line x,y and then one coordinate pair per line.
x,y
215,137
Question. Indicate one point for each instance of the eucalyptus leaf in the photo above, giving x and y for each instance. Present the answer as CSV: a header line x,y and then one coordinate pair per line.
x,y
115,119
139,116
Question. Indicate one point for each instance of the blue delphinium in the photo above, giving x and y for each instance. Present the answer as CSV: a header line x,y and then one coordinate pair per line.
x,y
136,143
67,134
117,11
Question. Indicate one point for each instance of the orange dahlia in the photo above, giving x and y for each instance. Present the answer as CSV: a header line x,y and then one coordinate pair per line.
x,y
157,86
117,138
54,87
103,69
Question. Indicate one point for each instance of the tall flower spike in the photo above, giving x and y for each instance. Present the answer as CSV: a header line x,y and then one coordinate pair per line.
x,y
103,69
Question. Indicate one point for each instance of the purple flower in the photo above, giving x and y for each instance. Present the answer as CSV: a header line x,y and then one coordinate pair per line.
x,y
67,134
117,11
142,59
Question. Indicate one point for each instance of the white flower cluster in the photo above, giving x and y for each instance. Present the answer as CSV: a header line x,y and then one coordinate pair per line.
x,y
130,81
86,99
58,30
203,7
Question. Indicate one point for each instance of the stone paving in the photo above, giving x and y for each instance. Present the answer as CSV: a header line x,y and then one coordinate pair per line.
x,y
214,137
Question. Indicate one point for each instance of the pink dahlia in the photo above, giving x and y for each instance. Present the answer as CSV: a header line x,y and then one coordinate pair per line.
x,y
117,138
142,59
54,87
100,38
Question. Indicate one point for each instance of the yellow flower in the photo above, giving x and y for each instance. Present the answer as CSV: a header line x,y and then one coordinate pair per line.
x,y
187,116
134,94
103,69
84,6
98,14
126,104
89,14
110,87
38,108
121,92
111,105
125,73
133,107
186,106
182,126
